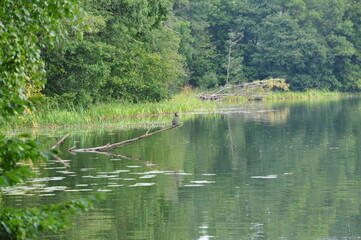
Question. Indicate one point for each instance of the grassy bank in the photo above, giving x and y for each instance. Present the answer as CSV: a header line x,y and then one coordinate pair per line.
x,y
126,114
306,95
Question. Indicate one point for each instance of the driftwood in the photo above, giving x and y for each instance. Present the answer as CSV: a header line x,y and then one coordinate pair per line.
x,y
251,90
114,145
60,141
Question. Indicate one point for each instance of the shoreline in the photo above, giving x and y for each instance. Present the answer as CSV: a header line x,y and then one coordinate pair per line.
x,y
150,114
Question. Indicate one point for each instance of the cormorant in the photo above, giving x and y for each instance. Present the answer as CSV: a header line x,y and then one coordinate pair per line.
x,y
175,120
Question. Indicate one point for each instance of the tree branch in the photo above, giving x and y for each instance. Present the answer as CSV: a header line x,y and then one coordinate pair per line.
x,y
60,141
247,89
114,145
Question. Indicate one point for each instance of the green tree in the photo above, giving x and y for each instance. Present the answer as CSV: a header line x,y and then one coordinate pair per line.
x,y
287,51
25,26
126,54
192,18
311,43
351,71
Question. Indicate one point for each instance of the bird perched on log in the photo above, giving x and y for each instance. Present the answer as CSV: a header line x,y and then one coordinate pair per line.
x,y
175,120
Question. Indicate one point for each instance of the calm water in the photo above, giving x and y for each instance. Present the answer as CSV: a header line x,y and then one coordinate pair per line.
x,y
286,171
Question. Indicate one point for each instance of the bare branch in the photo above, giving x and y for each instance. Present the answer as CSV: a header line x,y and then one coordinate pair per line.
x,y
186,7
60,141
247,89
114,145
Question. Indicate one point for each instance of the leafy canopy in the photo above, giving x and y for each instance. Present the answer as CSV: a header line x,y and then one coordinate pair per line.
x,y
26,26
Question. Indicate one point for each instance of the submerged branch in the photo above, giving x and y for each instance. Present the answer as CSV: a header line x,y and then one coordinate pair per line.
x,y
147,163
59,159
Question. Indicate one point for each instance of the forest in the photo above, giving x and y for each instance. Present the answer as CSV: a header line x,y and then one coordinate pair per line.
x,y
77,53
145,50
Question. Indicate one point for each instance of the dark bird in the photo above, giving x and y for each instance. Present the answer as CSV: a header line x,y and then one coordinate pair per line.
x,y
175,120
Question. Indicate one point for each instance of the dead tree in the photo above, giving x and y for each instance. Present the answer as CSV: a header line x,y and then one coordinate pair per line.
x,y
60,141
251,90
118,144
233,39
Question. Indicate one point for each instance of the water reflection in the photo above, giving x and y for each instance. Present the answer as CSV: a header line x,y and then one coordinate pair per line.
x,y
260,112
286,171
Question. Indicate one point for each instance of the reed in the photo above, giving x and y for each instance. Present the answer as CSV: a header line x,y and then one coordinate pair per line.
x,y
312,93
116,112
144,114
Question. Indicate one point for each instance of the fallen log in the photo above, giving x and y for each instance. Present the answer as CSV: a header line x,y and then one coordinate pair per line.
x,y
250,90
60,141
114,145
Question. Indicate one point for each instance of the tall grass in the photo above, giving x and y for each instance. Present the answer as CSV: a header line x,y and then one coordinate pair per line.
x,y
130,114
117,112
312,93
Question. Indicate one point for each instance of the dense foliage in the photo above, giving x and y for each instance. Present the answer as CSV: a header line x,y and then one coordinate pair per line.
x,y
28,223
142,50
25,27
313,44
126,53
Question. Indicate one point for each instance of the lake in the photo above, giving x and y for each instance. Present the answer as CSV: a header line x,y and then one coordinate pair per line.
x,y
253,171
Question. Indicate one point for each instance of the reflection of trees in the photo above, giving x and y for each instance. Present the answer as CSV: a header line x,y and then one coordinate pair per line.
x,y
314,151
319,150
260,113
132,213
306,204
309,155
